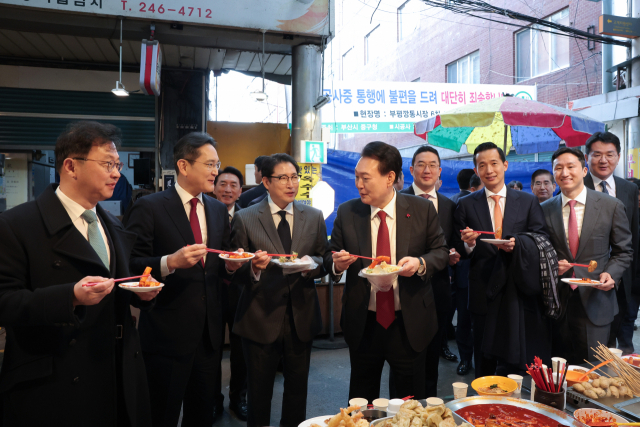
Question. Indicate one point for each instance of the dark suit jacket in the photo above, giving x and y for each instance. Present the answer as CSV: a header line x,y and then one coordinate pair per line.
x,y
249,195
605,238
66,360
522,213
627,193
263,303
460,195
440,279
191,297
418,234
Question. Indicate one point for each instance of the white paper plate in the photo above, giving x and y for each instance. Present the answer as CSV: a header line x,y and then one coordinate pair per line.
x,y
291,264
316,420
133,287
226,258
572,282
496,241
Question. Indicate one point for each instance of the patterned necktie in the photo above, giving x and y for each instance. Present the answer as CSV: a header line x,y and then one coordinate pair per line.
x,y
604,187
284,232
574,238
385,308
195,223
425,196
497,213
95,237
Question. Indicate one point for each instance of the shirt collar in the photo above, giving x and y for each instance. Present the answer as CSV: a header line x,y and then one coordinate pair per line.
x,y
232,211
275,208
390,209
501,193
418,191
73,208
581,198
185,196
597,181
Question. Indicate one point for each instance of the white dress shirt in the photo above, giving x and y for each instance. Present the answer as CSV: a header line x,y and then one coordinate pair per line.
x,y
75,211
276,220
232,211
185,197
433,195
579,208
492,205
610,182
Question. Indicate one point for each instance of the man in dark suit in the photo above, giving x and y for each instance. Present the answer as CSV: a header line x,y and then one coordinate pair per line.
x,y
460,289
279,313
72,353
248,196
228,187
396,325
542,185
182,335
603,155
426,170
585,225
484,211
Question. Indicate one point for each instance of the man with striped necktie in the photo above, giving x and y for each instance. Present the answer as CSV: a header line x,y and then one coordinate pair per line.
x,y
426,170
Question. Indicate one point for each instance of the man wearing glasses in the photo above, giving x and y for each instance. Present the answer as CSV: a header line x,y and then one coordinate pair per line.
x,y
279,313
182,336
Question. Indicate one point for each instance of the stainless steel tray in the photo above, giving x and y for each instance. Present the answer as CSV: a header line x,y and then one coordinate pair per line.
x,y
555,414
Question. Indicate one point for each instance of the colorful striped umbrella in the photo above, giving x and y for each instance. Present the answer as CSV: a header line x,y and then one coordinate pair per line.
x,y
529,126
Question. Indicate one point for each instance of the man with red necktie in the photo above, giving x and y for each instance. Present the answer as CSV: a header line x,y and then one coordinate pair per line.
x,y
585,225
182,336
395,326
426,170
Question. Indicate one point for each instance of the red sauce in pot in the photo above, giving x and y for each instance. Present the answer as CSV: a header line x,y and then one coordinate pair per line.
x,y
497,415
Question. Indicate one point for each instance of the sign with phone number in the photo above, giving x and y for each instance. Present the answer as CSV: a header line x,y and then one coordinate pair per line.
x,y
273,15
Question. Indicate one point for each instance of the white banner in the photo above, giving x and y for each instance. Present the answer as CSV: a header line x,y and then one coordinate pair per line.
x,y
291,16
390,107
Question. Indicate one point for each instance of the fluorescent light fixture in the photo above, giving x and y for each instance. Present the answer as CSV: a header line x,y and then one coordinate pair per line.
x,y
259,96
120,90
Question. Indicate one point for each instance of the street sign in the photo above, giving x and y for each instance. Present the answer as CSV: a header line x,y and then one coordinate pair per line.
x,y
313,152
619,26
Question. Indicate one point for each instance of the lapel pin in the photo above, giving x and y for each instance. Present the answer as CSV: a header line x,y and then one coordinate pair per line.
x,y
408,216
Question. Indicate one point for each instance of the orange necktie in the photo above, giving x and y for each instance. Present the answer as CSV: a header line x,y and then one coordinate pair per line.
x,y
497,213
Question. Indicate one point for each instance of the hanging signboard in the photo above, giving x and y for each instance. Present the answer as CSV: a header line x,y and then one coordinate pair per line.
x,y
393,107
150,67
620,26
290,16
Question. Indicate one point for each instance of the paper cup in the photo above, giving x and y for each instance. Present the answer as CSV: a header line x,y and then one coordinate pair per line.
x,y
434,401
394,406
460,390
358,401
616,352
556,362
381,404
517,379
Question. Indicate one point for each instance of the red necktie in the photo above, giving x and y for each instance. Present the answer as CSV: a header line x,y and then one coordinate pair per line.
x,y
574,239
195,223
425,196
385,308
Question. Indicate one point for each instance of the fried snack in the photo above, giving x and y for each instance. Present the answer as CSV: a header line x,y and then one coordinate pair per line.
x,y
143,279
596,383
600,392
579,388
362,423
591,394
587,386
448,422
614,391
605,382
498,233
592,266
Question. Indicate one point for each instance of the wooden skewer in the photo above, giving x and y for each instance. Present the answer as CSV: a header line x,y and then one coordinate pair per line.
x,y
628,374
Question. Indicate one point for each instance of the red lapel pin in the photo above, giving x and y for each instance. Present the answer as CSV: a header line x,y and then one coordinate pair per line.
x,y
408,216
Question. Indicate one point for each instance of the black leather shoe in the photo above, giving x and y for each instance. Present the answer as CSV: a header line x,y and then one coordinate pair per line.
x,y
217,411
464,367
445,353
239,408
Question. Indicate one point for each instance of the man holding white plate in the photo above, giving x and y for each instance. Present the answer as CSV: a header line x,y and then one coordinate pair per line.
x,y
585,225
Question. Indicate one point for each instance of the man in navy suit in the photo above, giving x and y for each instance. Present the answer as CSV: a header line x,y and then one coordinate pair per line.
x,y
496,209
182,336
426,170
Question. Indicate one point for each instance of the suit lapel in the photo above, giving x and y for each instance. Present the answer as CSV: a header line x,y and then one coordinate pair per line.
x,y
178,215
511,207
362,225
299,220
403,227
211,226
591,213
481,206
557,223
588,181
266,219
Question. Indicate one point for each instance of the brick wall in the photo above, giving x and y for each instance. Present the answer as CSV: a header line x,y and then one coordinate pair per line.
x,y
444,37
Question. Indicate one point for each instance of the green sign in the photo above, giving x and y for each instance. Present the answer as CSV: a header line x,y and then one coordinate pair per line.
x,y
313,152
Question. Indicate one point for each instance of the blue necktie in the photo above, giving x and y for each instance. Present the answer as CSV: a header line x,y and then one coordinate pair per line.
x,y
95,237
604,187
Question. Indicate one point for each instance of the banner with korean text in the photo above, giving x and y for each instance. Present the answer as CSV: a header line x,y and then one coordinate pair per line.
x,y
390,107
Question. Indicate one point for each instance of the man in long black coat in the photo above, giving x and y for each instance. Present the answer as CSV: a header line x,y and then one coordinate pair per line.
x,y
72,355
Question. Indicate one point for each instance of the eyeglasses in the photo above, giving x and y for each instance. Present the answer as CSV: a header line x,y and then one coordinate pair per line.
x,y
608,156
284,179
422,166
109,165
209,166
